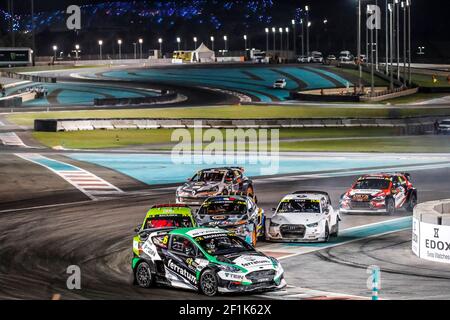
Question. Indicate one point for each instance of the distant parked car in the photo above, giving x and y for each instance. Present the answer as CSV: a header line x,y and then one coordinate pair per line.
x,y
345,56
331,57
316,57
444,127
304,59
280,84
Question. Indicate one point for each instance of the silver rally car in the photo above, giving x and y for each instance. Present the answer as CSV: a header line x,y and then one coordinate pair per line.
x,y
214,182
304,216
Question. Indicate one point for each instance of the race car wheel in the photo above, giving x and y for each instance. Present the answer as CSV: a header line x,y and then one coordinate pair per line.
x,y
336,230
209,283
143,275
390,206
411,203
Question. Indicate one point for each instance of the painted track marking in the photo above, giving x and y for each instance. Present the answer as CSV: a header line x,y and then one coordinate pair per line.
x,y
88,183
11,139
295,293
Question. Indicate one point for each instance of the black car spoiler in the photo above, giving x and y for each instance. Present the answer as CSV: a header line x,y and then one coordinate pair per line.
x,y
161,230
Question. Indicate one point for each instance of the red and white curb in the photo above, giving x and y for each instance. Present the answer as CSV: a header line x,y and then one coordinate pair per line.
x,y
11,139
85,181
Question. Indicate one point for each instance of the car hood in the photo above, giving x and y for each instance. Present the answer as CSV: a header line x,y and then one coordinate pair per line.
x,y
297,218
251,261
370,192
199,186
225,220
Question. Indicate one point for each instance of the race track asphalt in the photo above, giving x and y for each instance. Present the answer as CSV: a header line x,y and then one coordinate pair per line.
x,y
37,245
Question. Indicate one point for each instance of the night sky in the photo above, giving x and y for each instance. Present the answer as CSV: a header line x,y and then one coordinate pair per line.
x,y
431,22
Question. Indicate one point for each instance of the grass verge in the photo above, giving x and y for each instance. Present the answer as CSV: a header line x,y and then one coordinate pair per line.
x,y
233,112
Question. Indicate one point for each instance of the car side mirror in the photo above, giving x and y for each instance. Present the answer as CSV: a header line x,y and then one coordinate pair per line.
x,y
274,209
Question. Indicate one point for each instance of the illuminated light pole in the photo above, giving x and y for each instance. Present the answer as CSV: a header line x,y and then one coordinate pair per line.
x,y
308,24
403,5
274,31
281,38
245,40
287,39
160,41
179,43
397,10
408,5
391,42
294,26
135,50
387,38
77,50
141,42
267,39
325,24
100,45
212,43
195,43
303,37
119,42
55,48
359,45
225,40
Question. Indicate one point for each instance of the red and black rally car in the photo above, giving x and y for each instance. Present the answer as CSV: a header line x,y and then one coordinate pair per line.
x,y
381,193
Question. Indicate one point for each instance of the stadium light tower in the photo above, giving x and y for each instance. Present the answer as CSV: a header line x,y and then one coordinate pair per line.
x,y
195,43
245,41
100,45
287,37
77,50
267,39
281,38
119,42
179,43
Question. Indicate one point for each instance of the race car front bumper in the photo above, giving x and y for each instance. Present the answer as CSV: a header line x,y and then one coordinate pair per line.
x,y
362,207
191,201
295,233
227,286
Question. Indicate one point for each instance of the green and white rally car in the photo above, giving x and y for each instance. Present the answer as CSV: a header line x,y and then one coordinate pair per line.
x,y
209,260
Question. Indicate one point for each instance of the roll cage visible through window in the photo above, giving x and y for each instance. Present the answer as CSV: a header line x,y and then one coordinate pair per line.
x,y
182,245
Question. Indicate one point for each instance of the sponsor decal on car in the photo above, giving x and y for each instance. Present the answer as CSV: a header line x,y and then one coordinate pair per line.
x,y
181,272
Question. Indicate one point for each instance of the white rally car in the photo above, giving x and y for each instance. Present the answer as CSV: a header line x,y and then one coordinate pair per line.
x,y
304,216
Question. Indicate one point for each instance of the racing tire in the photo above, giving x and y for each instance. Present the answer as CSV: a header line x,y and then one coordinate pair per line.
x,y
411,203
327,233
390,206
209,284
335,233
143,276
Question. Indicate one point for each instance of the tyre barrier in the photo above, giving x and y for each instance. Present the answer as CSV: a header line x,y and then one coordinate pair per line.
x,y
405,126
431,231
27,77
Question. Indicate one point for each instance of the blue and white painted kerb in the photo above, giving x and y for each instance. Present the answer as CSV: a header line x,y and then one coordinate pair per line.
x,y
88,183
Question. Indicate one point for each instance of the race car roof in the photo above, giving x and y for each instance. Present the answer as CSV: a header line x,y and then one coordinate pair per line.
x,y
305,196
198,232
222,169
170,210
232,198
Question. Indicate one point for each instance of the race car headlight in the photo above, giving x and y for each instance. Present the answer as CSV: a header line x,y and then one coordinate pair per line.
x,y
228,268
313,225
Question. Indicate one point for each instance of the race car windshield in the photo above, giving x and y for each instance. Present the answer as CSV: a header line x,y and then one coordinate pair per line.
x,y
208,176
168,222
223,245
376,184
300,206
224,208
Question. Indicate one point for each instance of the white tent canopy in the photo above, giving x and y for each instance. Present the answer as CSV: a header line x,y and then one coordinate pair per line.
x,y
203,54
